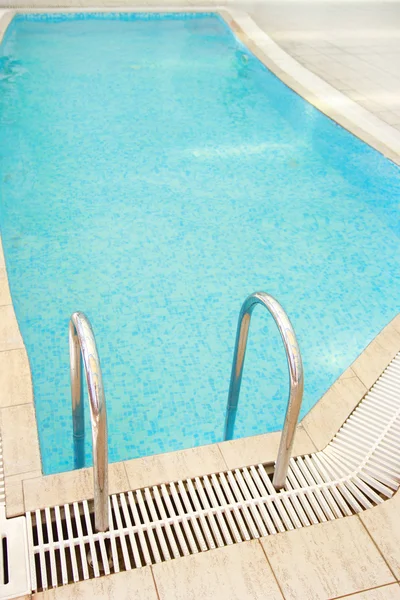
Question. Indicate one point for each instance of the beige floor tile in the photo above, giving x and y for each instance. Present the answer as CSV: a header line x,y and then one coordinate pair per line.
x,y
396,323
389,339
329,414
325,561
347,374
132,585
14,492
14,499
67,487
152,470
5,296
388,592
367,103
383,524
4,22
20,440
2,261
15,378
375,358
262,448
389,117
238,572
22,476
10,336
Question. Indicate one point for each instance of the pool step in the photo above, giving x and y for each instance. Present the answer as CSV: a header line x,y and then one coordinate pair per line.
x,y
359,469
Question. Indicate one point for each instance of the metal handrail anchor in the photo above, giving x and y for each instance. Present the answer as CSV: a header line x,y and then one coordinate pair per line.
x,y
82,342
296,377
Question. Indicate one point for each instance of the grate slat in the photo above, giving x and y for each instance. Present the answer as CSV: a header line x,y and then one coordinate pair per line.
x,y
53,568
82,546
255,494
167,526
219,512
239,499
125,553
71,545
159,529
136,520
254,509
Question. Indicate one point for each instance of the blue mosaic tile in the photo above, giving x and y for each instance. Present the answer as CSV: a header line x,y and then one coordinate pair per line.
x,y
153,174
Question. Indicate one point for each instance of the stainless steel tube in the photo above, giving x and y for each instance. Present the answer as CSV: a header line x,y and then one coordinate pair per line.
x,y
81,341
296,378
78,421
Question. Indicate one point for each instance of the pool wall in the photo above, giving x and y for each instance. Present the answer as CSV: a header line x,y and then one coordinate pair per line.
x,y
27,489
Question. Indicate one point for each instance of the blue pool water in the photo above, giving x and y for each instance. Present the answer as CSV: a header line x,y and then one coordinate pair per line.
x,y
153,174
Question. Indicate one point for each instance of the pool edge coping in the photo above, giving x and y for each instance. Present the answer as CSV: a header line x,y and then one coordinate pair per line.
x,y
28,489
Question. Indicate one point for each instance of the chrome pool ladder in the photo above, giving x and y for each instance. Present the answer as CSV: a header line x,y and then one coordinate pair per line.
x,y
81,341
296,378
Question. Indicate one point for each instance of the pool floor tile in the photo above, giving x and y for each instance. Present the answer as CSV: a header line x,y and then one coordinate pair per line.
x,y
238,572
222,231
326,561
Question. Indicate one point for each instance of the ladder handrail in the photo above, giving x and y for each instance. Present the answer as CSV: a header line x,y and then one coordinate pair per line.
x,y
81,341
296,378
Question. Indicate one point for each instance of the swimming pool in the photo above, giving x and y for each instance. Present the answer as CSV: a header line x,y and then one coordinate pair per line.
x,y
154,174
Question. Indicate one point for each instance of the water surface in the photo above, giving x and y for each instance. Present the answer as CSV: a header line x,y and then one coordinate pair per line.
x,y
153,174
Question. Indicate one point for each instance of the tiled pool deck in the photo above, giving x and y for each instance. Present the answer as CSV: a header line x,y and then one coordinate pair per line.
x,y
354,46
358,555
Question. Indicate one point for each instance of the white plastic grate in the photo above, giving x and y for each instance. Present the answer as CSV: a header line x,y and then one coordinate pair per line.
x,y
358,469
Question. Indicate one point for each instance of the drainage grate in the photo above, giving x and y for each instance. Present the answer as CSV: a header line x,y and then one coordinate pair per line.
x,y
358,469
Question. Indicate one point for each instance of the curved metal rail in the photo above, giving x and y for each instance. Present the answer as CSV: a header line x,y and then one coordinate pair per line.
x,y
81,341
296,378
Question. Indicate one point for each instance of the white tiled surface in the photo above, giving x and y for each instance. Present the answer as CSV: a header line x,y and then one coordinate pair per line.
x,y
354,46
